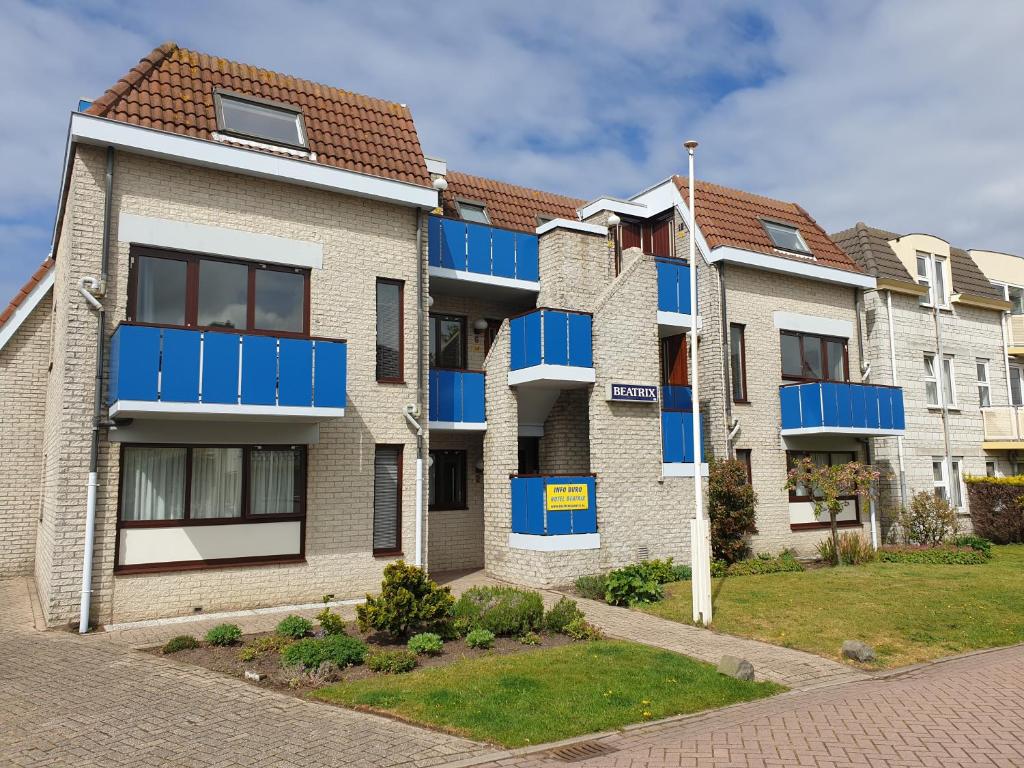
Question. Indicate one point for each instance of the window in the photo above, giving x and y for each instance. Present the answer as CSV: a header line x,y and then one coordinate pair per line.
x,y
939,482
744,455
529,456
232,295
653,237
260,119
948,488
984,389
820,459
542,220
447,341
990,469
813,358
447,480
924,277
940,296
935,395
192,483
1016,385
931,272
390,325
674,361
387,500
473,212
1015,295
786,237
738,363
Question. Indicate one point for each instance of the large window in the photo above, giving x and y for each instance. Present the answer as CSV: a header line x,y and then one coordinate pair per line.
x,y
820,459
807,357
168,288
939,385
984,386
447,341
786,237
948,486
931,272
260,119
738,363
390,325
207,483
387,500
447,480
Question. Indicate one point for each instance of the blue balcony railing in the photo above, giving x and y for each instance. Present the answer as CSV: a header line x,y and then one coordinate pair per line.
x,y
673,286
482,250
677,437
549,505
552,337
215,370
676,398
457,397
841,407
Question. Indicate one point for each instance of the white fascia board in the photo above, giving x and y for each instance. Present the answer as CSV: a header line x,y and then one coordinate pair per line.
x,y
219,241
227,411
466,276
615,205
560,543
679,469
88,129
576,226
808,270
860,432
551,373
677,320
458,426
435,166
825,326
665,195
25,308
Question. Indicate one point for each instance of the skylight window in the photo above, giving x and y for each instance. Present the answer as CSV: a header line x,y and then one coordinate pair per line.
x,y
259,119
785,237
473,212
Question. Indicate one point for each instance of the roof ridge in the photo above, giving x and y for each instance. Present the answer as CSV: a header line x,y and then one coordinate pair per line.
x,y
135,75
702,182
568,198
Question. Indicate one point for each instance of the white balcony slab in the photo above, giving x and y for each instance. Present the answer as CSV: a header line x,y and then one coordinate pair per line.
x,y
135,409
679,469
564,543
564,376
859,431
447,281
671,323
457,426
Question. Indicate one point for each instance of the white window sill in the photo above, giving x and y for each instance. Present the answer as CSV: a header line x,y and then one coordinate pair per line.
x,y
938,408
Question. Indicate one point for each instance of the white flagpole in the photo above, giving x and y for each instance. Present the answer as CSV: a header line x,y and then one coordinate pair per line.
x,y
700,538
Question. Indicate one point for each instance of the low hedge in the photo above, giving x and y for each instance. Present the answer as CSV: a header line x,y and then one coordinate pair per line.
x,y
505,611
758,566
997,508
943,555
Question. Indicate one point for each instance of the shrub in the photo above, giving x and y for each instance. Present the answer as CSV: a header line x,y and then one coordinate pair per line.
x,y
929,520
942,555
854,549
311,652
580,629
997,508
480,638
719,568
426,644
180,643
979,544
294,627
224,634
632,585
530,638
505,611
268,643
330,622
732,507
392,662
591,587
681,573
784,563
560,614
409,602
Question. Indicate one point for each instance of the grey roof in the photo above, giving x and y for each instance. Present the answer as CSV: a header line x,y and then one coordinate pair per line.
x,y
869,247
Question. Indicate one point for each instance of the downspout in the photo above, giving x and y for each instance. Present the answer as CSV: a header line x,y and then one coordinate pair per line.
x,y
731,428
97,424
948,459
895,383
418,559
865,372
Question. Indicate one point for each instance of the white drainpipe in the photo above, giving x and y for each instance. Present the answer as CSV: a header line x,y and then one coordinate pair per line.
x,y
895,383
418,555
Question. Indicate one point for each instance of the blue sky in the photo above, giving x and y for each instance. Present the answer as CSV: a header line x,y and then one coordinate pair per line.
x,y
907,115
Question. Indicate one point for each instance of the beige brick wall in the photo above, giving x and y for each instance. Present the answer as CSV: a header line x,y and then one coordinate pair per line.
x,y
565,446
23,373
575,269
362,240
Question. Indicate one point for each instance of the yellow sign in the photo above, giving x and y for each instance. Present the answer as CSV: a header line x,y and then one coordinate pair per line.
x,y
565,496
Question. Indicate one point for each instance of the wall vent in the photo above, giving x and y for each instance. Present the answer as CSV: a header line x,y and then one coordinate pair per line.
x,y
643,553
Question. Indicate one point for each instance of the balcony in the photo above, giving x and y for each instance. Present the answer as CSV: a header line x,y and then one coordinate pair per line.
x,y
554,512
470,259
674,312
182,373
552,348
677,433
1003,428
457,400
841,408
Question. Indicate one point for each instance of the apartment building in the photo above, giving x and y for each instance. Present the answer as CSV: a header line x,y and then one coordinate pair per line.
x,y
277,347
933,324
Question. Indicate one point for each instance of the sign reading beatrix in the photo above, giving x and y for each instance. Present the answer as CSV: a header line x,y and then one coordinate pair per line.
x,y
567,496
633,393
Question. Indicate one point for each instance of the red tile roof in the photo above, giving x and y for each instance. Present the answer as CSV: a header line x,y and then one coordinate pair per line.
x,y
508,205
733,217
172,89
26,289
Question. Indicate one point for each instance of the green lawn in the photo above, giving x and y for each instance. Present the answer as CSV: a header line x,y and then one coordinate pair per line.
x,y
547,695
908,613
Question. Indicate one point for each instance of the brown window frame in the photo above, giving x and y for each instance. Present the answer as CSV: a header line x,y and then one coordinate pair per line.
x,y
746,456
743,363
682,354
823,342
464,330
400,462
791,457
450,506
643,232
193,261
400,379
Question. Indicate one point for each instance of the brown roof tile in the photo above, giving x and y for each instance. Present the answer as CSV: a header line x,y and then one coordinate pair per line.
x,y
733,217
508,205
26,289
172,89
968,277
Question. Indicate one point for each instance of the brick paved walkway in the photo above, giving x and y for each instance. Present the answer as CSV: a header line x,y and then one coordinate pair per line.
x,y
85,701
962,713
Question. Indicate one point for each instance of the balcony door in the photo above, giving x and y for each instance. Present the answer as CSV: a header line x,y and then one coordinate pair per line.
x,y
674,361
447,341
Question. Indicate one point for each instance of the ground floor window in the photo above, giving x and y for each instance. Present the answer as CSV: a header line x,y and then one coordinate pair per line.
x,y
529,455
744,455
800,501
948,486
387,500
447,480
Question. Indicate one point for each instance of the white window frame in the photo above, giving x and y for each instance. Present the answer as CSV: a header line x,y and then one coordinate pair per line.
x,y
219,96
802,249
940,485
931,376
1006,295
956,482
984,383
933,276
938,378
459,203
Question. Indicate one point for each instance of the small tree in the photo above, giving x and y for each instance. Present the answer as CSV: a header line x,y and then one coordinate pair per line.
x,y
732,507
828,485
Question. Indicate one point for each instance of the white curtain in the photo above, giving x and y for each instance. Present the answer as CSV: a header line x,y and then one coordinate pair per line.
x,y
153,484
216,482
272,482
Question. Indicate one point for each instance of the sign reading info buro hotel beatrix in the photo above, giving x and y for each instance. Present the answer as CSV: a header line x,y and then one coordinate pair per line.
x,y
633,393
